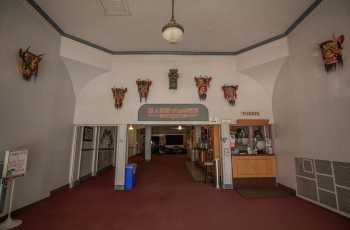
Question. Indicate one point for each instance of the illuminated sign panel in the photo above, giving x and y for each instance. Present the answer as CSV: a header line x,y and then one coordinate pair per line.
x,y
173,112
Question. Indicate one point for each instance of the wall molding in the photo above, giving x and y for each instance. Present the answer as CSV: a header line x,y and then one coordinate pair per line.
x,y
291,28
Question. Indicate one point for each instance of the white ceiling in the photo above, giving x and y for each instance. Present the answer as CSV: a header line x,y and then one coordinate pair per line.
x,y
210,25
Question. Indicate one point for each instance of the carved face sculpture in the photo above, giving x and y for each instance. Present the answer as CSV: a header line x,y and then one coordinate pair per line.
x,y
143,87
118,95
230,93
173,76
202,83
332,52
29,63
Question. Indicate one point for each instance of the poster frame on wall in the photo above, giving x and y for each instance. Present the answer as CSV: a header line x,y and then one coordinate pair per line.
x,y
15,164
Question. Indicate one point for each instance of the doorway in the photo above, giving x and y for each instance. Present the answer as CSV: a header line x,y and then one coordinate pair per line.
x,y
197,146
155,144
93,152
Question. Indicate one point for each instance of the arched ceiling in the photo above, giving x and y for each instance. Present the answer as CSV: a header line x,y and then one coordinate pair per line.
x,y
210,26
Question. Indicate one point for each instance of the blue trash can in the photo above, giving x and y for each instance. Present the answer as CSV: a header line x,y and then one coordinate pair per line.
x,y
130,176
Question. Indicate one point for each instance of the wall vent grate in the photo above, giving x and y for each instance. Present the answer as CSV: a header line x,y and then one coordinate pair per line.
x,y
325,183
115,7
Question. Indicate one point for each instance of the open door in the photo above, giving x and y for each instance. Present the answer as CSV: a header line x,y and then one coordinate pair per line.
x,y
106,147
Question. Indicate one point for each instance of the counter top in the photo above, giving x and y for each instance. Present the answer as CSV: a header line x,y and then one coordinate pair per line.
x,y
252,155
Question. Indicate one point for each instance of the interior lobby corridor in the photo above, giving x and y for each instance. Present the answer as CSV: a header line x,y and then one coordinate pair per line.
x,y
166,198
235,112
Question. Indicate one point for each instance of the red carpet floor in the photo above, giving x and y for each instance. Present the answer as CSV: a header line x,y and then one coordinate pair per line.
x,y
165,198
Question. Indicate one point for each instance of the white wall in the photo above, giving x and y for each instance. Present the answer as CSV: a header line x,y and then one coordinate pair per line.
x,y
77,51
263,54
83,62
95,101
36,115
312,108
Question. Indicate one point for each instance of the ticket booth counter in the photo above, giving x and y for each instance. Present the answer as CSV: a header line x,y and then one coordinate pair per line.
x,y
253,155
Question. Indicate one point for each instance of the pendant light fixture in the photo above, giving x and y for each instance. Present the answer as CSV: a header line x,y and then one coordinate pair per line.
x,y
173,32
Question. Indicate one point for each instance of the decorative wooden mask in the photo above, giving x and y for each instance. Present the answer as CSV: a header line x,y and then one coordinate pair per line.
x,y
230,93
173,76
143,88
332,52
202,83
118,95
29,64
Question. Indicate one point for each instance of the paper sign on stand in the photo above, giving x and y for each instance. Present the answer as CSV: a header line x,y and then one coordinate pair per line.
x,y
15,165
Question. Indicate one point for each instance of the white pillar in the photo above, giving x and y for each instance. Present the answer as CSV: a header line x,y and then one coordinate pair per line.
x,y
72,157
97,148
121,157
197,136
115,133
148,138
94,152
226,156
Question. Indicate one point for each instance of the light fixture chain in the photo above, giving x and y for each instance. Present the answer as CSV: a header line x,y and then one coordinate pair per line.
x,y
173,31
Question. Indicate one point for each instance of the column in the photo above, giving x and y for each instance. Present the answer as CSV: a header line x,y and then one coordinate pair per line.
x,y
197,138
73,157
115,144
216,142
148,138
226,156
95,152
120,157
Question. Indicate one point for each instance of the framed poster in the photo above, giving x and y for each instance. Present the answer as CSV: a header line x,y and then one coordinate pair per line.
x,y
15,164
88,134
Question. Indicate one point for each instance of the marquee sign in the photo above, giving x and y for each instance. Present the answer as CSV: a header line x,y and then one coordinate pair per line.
x,y
173,112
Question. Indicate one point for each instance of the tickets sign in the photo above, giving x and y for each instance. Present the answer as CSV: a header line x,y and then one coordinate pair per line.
x,y
15,164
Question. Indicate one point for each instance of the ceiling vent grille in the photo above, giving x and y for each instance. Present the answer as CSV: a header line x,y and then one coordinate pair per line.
x,y
115,7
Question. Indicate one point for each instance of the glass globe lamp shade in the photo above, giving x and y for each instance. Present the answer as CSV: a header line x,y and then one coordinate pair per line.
x,y
173,32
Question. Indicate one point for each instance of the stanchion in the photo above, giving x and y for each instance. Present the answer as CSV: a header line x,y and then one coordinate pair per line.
x,y
10,223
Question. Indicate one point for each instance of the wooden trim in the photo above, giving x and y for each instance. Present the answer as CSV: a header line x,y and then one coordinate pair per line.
x,y
253,155
216,142
252,121
253,166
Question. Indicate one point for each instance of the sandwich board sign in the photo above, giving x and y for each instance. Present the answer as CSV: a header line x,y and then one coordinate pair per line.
x,y
15,164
